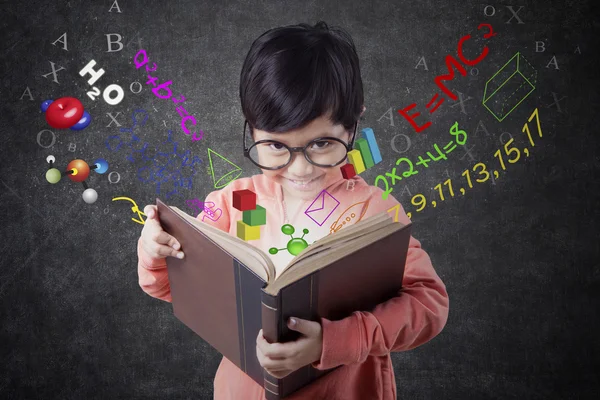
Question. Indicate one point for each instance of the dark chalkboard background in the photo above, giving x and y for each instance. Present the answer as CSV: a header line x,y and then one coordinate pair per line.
x,y
519,255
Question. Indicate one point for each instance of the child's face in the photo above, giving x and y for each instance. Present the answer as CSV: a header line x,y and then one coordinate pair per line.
x,y
301,179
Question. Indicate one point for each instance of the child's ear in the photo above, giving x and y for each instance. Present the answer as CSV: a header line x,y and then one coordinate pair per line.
x,y
363,110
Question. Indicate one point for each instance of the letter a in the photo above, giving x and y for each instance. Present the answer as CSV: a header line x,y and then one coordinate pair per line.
x,y
26,91
391,116
553,61
424,63
63,41
577,50
480,124
115,4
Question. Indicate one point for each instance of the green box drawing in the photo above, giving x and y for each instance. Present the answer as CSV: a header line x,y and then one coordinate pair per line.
x,y
509,87
255,217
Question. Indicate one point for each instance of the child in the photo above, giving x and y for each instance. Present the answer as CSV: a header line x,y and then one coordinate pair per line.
x,y
302,95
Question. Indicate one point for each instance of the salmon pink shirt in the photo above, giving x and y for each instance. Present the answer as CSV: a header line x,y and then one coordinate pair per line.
x,y
360,343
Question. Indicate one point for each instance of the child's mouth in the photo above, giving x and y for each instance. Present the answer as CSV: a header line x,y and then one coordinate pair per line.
x,y
304,184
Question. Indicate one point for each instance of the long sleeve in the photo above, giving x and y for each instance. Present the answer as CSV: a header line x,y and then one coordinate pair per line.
x,y
152,272
416,315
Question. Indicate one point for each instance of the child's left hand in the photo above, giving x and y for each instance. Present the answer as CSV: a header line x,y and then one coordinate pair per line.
x,y
281,359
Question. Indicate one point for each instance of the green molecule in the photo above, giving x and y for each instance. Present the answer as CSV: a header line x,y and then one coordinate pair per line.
x,y
53,175
295,245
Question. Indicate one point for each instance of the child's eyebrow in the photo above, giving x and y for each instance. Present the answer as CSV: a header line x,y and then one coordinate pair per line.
x,y
282,136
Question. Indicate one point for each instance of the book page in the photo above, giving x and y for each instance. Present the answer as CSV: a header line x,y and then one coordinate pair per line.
x,y
325,258
247,254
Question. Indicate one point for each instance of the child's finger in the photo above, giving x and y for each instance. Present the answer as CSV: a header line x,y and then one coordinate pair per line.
x,y
150,211
166,251
273,350
174,243
162,237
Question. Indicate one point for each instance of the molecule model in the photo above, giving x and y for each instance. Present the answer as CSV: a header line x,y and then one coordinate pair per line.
x,y
77,171
295,245
66,112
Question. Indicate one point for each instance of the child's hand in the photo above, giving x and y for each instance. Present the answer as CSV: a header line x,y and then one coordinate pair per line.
x,y
281,359
155,241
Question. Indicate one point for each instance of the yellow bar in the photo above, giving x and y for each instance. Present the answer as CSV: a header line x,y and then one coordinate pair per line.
x,y
356,160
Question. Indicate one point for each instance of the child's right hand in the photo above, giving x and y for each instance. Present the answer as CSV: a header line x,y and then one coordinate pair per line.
x,y
155,241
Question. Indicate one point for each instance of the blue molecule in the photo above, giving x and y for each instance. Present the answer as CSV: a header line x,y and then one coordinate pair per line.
x,y
102,165
46,104
83,122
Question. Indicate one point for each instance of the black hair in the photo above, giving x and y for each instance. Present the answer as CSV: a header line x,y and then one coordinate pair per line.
x,y
296,73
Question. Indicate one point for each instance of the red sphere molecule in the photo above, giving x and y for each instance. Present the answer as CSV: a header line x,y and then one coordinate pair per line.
x,y
64,112
81,170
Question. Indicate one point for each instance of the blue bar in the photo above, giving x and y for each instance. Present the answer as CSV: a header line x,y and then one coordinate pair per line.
x,y
368,134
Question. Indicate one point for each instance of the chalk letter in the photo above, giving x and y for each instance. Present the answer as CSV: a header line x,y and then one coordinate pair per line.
x,y
115,4
113,119
411,118
131,87
556,100
515,15
502,135
139,64
30,96
39,136
118,177
119,37
539,44
461,102
54,71
408,143
391,117
88,70
577,50
489,15
64,41
480,124
139,41
113,88
406,189
462,57
72,147
438,79
554,62
424,63
468,152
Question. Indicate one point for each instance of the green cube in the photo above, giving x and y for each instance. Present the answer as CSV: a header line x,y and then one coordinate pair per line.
x,y
255,217
363,146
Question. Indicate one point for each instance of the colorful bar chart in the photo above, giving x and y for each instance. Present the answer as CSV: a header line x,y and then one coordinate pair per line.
x,y
363,146
366,154
369,136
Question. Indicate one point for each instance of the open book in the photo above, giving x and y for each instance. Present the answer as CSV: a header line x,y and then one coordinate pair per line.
x,y
226,290
314,257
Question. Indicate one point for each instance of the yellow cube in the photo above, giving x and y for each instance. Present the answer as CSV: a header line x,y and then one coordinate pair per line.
x,y
247,232
356,160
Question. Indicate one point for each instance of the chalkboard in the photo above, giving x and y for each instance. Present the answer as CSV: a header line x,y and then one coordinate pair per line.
x,y
518,251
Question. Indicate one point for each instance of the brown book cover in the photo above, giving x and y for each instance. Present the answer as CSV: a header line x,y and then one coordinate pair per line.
x,y
226,303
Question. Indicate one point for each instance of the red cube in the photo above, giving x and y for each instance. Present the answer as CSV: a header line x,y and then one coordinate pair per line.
x,y
244,200
348,171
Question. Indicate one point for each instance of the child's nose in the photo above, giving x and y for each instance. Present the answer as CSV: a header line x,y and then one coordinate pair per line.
x,y
299,166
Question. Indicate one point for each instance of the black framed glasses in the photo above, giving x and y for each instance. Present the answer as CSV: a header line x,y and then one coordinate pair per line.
x,y
323,152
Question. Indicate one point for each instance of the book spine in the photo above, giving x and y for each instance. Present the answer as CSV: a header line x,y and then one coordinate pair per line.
x,y
272,330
